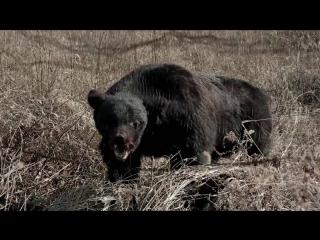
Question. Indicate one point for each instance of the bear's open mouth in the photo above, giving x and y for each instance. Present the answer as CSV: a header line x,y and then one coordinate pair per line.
x,y
121,152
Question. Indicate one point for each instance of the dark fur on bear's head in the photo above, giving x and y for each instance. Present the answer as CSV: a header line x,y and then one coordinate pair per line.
x,y
162,109
120,119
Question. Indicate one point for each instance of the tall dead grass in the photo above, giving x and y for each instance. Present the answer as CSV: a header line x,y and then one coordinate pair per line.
x,y
49,158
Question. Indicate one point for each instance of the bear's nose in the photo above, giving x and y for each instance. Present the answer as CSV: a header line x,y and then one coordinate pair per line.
x,y
120,138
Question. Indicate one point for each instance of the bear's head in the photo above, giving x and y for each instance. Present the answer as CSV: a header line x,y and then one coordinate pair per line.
x,y
121,120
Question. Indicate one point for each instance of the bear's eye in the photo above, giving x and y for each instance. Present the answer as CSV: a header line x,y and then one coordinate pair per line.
x,y
134,124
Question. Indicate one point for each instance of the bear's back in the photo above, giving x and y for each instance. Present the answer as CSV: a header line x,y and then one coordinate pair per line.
x,y
163,86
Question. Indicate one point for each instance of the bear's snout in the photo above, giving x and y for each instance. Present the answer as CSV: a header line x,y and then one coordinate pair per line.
x,y
122,144
120,138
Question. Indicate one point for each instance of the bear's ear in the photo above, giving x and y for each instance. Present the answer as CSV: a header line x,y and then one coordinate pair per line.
x,y
95,98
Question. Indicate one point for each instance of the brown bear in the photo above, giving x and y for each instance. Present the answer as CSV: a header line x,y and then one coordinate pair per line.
x,y
163,109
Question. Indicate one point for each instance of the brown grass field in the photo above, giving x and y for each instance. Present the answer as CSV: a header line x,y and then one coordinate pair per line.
x,y
49,156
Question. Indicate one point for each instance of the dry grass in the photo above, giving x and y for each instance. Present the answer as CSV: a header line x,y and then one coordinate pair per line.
x,y
49,158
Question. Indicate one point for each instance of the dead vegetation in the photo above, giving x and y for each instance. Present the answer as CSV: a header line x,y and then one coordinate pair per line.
x,y
49,158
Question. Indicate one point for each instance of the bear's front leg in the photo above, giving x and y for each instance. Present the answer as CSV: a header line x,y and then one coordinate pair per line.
x,y
192,154
204,158
190,159
126,171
